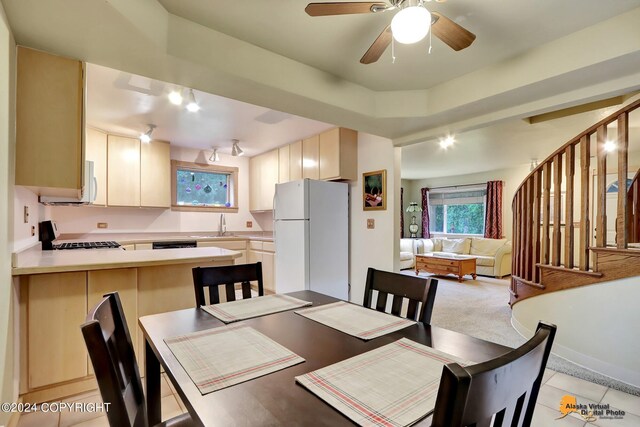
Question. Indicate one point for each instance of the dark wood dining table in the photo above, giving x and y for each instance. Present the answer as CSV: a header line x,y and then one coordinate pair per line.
x,y
276,399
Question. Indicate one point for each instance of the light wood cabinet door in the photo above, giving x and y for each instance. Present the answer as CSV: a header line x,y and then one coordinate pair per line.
x,y
283,164
56,306
155,175
125,282
96,151
295,161
269,179
123,171
338,150
268,271
310,157
254,183
49,123
253,256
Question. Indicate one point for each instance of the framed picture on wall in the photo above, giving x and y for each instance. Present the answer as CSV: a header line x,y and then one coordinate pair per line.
x,y
374,190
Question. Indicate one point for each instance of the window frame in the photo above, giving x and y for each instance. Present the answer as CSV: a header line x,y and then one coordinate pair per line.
x,y
444,223
198,167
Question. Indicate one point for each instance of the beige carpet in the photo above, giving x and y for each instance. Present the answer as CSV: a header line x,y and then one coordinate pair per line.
x,y
480,308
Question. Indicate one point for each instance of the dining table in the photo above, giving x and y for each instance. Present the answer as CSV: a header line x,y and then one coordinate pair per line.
x,y
276,399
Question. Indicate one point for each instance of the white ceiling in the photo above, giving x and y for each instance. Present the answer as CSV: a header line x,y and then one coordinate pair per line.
x,y
335,44
122,103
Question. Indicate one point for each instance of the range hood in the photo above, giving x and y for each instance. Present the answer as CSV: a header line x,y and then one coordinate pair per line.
x,y
89,191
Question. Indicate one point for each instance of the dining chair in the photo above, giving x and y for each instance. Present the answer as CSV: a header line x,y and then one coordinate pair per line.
x,y
503,390
228,275
419,291
111,351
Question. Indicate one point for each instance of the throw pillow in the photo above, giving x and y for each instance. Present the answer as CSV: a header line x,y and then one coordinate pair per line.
x,y
486,247
456,246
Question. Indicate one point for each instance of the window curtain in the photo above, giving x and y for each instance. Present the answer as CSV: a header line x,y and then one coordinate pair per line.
x,y
401,212
493,216
425,213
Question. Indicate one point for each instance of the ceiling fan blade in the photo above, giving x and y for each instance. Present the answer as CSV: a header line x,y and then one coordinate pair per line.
x,y
341,8
378,47
451,33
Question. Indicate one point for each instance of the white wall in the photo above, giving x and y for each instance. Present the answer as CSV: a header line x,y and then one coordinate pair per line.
x,y
84,219
597,325
512,178
22,231
379,247
8,379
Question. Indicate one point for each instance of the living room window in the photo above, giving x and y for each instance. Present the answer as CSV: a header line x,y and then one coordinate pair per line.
x,y
455,211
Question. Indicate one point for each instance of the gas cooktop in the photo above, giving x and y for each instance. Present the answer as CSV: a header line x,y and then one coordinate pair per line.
x,y
87,245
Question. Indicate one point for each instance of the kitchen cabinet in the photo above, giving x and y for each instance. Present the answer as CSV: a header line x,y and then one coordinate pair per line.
x,y
264,177
138,174
264,252
96,151
283,164
49,123
234,245
310,157
123,171
56,307
295,161
338,154
155,175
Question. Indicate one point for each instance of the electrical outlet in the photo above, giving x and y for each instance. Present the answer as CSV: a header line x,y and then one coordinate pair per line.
x,y
103,225
33,230
371,223
249,224
26,214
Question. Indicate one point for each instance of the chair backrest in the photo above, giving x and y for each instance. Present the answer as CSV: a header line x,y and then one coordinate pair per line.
x,y
111,351
227,275
420,291
504,389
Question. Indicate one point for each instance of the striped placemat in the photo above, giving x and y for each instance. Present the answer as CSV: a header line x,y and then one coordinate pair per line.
x,y
393,385
356,320
221,357
253,307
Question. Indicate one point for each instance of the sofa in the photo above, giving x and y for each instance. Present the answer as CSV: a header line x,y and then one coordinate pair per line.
x,y
493,256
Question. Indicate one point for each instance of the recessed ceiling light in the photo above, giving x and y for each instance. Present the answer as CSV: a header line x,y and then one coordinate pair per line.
x,y
175,96
447,142
610,145
192,106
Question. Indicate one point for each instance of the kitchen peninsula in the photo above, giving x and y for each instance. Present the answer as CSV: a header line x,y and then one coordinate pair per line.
x,y
57,288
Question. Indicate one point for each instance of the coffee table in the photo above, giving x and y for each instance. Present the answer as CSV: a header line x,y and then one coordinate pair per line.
x,y
447,264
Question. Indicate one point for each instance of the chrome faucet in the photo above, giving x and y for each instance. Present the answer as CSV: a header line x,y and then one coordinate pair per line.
x,y
222,227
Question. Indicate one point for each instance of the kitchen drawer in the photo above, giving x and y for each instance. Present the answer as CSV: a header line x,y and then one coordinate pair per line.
x,y
268,246
234,245
256,245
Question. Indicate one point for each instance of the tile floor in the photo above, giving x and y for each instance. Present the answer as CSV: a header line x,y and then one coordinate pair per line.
x,y
556,385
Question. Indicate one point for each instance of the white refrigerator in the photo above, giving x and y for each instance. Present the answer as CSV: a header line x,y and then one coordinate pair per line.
x,y
311,233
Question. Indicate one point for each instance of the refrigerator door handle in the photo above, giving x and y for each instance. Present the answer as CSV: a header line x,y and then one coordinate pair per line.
x,y
273,220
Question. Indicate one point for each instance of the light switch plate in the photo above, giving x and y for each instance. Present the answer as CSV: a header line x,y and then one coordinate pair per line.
x,y
103,225
371,223
26,214
249,224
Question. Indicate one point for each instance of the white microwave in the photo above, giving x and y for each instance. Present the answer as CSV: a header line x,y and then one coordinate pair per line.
x,y
89,191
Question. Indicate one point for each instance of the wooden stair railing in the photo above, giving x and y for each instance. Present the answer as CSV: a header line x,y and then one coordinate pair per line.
x,y
546,256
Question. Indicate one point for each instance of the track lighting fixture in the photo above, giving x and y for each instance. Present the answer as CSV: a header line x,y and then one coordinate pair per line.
x,y
192,106
175,96
236,150
215,157
146,137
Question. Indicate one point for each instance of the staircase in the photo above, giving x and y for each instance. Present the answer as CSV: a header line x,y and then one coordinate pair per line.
x,y
571,227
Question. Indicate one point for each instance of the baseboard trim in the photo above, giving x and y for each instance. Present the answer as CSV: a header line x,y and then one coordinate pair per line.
x,y
598,366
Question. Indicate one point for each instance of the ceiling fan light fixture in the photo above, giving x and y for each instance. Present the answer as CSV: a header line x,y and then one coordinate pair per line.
x,y
192,106
411,24
236,150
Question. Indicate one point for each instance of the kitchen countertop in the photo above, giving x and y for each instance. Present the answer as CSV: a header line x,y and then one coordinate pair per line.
x,y
132,238
36,261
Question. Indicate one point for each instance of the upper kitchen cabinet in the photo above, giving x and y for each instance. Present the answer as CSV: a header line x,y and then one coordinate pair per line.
x,y
155,175
338,159
295,161
49,123
310,157
96,151
264,174
138,174
123,173
283,164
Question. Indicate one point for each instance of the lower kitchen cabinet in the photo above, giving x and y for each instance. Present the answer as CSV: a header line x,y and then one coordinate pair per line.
x,y
264,252
233,245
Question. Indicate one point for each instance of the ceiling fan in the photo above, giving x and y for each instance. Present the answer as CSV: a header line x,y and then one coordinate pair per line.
x,y
409,25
